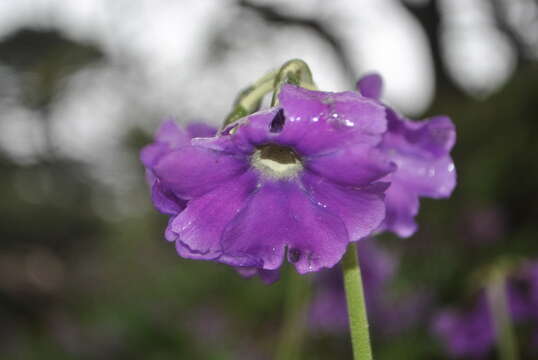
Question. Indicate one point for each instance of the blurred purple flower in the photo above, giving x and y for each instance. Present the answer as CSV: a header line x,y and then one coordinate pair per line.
x,y
466,333
302,176
421,151
470,333
328,310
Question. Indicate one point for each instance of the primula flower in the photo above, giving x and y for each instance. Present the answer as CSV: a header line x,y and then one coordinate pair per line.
x,y
470,333
421,151
301,178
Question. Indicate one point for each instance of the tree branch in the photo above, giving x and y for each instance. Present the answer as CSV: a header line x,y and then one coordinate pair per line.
x,y
272,15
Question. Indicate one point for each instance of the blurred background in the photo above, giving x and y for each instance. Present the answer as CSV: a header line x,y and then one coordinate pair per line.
x,y
85,272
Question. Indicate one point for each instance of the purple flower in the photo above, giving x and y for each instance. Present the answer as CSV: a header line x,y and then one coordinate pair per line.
x,y
523,294
421,151
467,333
470,333
328,310
302,177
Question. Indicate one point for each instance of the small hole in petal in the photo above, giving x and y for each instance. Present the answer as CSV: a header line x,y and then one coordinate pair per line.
x,y
278,122
294,255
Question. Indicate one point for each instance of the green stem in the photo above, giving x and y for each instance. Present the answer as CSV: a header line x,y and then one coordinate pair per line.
x,y
356,308
294,72
502,321
249,100
295,306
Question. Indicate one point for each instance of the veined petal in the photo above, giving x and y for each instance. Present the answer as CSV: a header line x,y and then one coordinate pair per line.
x,y
194,170
355,165
318,122
278,216
361,209
199,227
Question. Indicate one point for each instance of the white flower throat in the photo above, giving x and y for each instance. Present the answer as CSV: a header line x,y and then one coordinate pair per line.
x,y
276,161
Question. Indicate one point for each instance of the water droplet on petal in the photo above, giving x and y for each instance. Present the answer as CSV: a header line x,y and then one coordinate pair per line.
x,y
349,123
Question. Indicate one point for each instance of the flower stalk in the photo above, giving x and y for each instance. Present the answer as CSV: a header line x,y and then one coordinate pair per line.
x,y
249,100
294,72
356,307
502,320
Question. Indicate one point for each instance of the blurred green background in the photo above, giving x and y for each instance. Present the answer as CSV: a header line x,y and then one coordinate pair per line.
x,y
85,272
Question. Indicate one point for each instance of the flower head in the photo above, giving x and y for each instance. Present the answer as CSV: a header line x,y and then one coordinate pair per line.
x,y
467,333
300,179
421,151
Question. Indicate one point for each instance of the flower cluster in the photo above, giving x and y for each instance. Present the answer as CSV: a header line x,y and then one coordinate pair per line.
x,y
300,180
470,332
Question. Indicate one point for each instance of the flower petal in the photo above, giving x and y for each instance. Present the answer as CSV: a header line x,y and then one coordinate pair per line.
x,y
319,122
371,86
165,200
199,227
255,130
421,151
361,210
355,165
194,170
169,136
281,215
402,207
200,129
432,137
432,178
